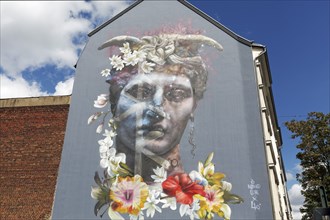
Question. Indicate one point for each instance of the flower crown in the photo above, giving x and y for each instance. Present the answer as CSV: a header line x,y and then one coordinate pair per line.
x,y
129,58
151,52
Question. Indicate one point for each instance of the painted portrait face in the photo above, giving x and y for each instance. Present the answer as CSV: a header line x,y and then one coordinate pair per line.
x,y
153,111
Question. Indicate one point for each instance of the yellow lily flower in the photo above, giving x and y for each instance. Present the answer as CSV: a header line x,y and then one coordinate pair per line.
x,y
211,203
208,173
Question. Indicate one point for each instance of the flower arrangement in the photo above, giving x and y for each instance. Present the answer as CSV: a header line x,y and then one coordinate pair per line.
x,y
200,194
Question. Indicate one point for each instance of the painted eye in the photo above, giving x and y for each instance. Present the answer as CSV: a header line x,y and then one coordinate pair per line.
x,y
141,92
177,94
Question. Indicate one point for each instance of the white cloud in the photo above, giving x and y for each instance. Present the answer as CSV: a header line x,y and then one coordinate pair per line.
x,y
296,200
295,194
103,8
289,176
64,87
296,214
35,33
18,87
298,168
39,32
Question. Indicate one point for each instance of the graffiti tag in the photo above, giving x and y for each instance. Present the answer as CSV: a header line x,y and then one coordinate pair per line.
x,y
254,193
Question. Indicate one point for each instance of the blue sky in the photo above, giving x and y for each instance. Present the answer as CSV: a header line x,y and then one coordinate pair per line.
x,y
296,34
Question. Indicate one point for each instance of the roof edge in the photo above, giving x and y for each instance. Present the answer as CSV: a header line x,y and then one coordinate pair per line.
x,y
97,29
191,7
264,56
35,101
258,45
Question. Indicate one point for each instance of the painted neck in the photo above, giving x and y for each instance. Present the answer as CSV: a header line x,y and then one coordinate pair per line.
x,y
148,163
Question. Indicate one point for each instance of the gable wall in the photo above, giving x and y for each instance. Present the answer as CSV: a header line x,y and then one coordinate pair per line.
x,y
227,119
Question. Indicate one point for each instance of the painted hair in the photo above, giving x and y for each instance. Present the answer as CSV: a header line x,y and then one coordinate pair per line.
x,y
166,53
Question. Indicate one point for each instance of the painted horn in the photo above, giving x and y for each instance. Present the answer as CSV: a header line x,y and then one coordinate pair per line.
x,y
198,39
120,40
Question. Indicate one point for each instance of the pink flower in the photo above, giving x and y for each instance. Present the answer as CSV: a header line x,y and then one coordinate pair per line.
x,y
101,101
129,195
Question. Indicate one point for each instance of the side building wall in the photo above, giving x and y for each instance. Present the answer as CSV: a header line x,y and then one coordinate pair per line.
x,y
31,138
272,138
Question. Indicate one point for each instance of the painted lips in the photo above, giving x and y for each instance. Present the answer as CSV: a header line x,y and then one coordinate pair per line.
x,y
153,132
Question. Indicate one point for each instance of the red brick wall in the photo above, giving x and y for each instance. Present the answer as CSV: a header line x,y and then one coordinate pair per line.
x,y
31,140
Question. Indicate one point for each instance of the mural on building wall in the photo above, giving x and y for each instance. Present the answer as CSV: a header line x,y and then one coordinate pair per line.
x,y
155,84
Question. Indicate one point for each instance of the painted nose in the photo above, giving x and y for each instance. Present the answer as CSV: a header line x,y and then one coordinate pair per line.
x,y
158,99
155,112
154,116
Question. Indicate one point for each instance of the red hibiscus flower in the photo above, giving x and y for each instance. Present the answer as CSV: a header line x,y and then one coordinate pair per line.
x,y
182,188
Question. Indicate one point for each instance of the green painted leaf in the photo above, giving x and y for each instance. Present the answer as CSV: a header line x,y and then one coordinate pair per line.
x,y
232,198
97,179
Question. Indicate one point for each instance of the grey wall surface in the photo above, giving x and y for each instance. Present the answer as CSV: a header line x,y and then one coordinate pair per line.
x,y
227,119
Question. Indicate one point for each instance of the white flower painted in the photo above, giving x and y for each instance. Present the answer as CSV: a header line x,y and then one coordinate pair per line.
x,y
105,72
226,186
183,209
125,49
137,217
151,203
96,192
99,128
117,62
147,67
114,215
105,157
103,149
130,59
109,134
106,141
190,210
166,164
226,211
140,55
93,117
169,202
105,145
102,101
114,163
160,175
198,178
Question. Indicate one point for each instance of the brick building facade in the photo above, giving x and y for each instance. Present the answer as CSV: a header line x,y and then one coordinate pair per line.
x,y
31,138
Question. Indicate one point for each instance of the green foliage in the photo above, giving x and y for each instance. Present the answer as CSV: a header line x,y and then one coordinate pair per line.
x,y
314,156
